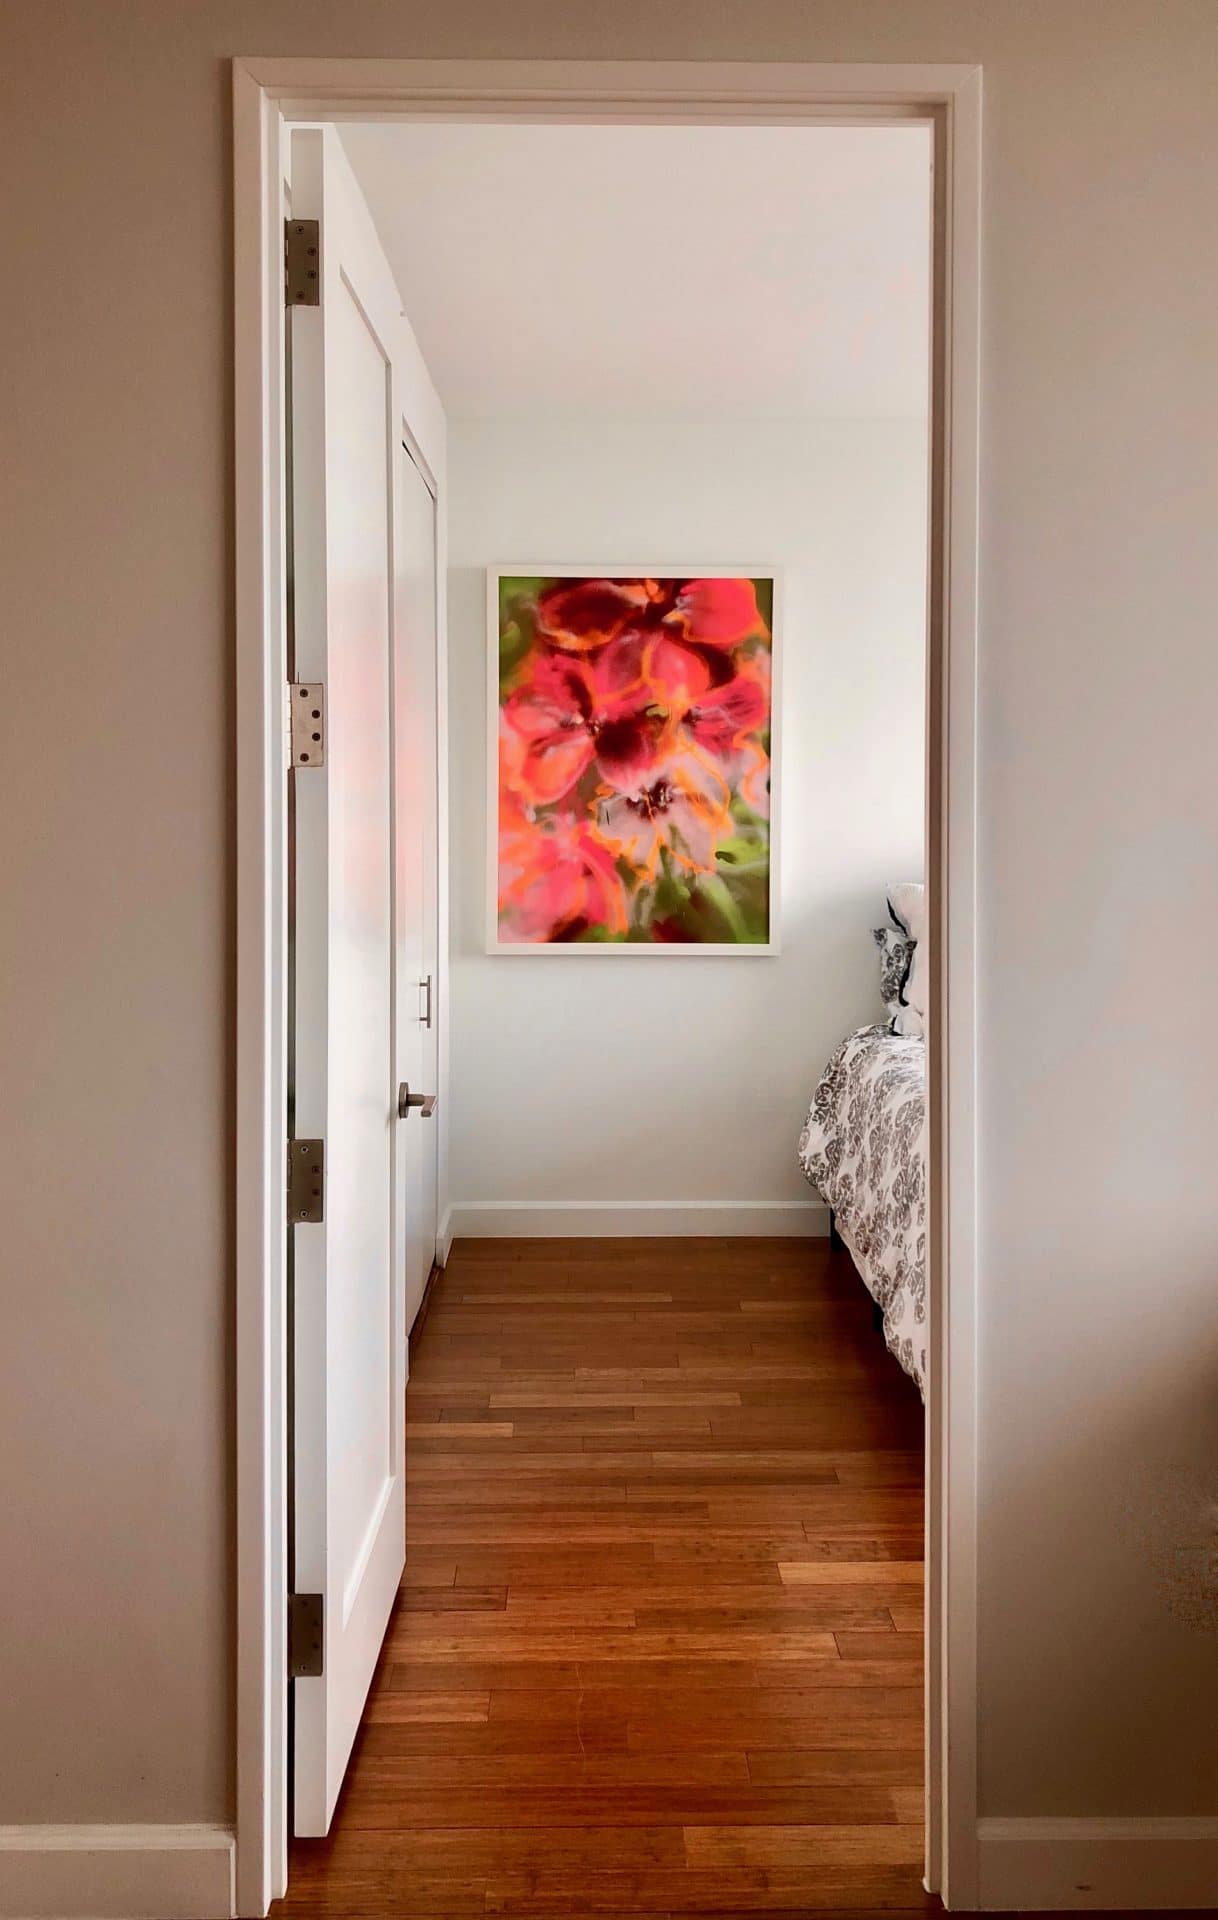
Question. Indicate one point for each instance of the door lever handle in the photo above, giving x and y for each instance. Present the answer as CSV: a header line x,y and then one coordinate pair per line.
x,y
425,1102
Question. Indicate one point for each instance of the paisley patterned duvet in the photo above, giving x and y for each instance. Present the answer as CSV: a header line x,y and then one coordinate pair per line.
x,y
863,1149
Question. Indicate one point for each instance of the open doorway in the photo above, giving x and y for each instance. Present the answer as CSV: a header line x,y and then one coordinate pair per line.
x,y
531,1365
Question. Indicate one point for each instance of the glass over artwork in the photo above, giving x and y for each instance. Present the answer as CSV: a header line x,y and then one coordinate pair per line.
x,y
634,761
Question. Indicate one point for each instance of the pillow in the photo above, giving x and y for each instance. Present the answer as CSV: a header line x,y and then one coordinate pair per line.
x,y
895,954
907,911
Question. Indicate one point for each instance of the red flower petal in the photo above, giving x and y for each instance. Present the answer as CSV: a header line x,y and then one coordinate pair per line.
x,y
558,885
678,675
583,614
614,677
718,613
540,762
627,749
719,721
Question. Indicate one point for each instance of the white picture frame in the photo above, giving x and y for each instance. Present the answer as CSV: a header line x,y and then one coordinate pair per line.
x,y
641,949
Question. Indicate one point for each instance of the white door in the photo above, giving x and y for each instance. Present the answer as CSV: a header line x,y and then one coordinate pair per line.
x,y
416,811
349,1345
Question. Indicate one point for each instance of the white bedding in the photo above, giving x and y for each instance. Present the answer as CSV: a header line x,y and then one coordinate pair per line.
x,y
863,1148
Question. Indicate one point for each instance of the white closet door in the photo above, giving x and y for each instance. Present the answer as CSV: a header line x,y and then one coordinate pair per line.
x,y
349,1296
416,805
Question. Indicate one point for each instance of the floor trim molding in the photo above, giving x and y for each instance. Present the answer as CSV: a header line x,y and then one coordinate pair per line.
x,y
420,1319
116,1873
1041,1865
609,1219
444,1238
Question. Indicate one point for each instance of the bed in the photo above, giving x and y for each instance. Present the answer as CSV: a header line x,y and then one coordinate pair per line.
x,y
863,1148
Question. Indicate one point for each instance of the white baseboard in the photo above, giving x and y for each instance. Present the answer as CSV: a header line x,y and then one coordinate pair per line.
x,y
116,1873
1042,1865
600,1219
444,1237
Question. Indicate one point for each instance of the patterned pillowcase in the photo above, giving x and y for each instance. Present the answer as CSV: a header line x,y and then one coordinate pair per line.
x,y
907,911
896,954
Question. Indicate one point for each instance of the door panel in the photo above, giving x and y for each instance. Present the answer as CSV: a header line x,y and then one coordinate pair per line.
x,y
415,754
348,1291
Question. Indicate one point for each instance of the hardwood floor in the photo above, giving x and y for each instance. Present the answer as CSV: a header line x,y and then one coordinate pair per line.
x,y
658,1650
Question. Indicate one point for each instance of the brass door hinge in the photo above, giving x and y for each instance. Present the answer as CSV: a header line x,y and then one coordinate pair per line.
x,y
301,263
306,1645
306,1182
307,722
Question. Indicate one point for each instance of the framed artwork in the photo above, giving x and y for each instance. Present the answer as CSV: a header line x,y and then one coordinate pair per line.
x,y
632,761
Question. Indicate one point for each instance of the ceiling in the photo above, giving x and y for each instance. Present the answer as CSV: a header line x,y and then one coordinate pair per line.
x,y
659,272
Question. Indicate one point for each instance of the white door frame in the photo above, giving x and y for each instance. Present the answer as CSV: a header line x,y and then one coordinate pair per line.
x,y
268,92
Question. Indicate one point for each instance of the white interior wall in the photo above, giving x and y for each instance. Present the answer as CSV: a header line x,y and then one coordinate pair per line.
x,y
683,272
619,1079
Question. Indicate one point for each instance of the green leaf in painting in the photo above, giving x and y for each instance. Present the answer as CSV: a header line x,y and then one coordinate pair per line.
x,y
764,589
712,885
517,625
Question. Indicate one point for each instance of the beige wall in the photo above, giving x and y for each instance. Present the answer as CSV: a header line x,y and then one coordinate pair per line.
x,y
1099,1309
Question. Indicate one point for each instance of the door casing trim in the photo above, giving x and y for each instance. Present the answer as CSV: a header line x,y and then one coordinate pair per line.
x,y
267,93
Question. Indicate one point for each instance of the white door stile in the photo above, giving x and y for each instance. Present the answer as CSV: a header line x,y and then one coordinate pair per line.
x,y
415,819
348,356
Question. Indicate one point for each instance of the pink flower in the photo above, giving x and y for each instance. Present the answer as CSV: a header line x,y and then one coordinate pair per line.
x,y
684,810
716,613
557,880
578,615
571,711
724,722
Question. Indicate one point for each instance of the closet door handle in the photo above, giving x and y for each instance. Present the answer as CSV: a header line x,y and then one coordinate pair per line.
x,y
425,1016
425,1102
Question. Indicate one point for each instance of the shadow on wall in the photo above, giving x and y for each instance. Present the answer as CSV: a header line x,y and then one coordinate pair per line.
x,y
1118,1489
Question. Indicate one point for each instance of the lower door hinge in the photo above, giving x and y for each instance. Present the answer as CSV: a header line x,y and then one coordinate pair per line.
x,y
307,722
306,1182
306,1615
302,263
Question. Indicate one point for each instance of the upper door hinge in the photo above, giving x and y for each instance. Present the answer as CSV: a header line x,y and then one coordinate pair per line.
x,y
307,723
306,1182
306,1645
302,263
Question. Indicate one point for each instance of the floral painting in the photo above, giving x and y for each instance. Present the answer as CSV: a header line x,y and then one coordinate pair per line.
x,y
633,775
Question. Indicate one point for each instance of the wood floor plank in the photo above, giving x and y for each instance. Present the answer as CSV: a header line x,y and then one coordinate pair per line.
x,y
803,1846
426,1568
658,1650
586,1850
391,1796
488,1636
564,1569
790,1894
656,1583
831,1766
454,1599
624,1396
562,1297
616,1527
455,1437
888,1646
521,1464
428,1709
545,1771
855,1573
